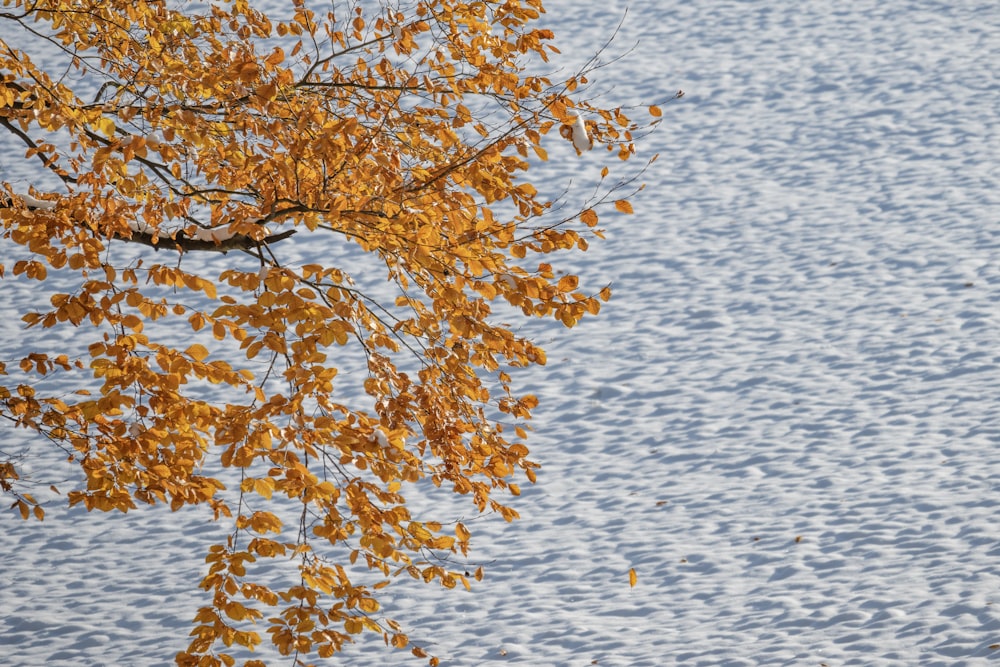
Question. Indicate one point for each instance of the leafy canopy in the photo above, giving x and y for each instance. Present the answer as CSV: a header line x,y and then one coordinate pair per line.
x,y
402,129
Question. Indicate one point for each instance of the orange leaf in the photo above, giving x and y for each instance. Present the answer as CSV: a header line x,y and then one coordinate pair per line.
x,y
277,56
198,352
568,283
623,206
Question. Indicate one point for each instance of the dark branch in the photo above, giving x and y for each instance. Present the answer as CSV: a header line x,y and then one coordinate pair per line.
x,y
48,161
183,243
177,241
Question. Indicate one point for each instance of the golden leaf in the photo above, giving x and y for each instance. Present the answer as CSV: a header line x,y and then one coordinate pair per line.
x,y
568,283
106,126
623,206
368,605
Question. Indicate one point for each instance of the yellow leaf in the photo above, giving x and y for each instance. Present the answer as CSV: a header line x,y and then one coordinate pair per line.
x,y
589,217
276,57
623,206
264,487
568,283
632,577
106,126
655,111
418,531
198,352
267,91
247,71
160,471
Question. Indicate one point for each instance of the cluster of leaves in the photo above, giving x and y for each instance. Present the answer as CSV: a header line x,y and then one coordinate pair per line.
x,y
403,128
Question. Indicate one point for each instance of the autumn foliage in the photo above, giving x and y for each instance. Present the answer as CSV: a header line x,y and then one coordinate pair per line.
x,y
268,145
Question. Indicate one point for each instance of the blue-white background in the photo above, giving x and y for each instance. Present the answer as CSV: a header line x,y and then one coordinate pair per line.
x,y
787,420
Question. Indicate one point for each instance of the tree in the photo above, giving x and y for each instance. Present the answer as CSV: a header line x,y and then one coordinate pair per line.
x,y
404,129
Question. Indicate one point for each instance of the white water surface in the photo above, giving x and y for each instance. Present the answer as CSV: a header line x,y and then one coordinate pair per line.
x,y
786,421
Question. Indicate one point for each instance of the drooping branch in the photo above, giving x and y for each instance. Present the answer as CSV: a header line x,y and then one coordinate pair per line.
x,y
178,241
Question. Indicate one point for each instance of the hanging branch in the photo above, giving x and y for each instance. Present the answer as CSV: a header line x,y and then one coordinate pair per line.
x,y
177,240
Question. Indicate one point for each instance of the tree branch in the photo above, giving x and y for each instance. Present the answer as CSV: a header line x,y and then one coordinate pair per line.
x,y
177,241
48,161
183,243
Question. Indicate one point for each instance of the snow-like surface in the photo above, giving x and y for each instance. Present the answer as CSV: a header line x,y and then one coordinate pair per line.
x,y
786,421
35,203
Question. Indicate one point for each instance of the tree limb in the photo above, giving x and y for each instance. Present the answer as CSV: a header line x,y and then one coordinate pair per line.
x,y
178,241
184,243
48,161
